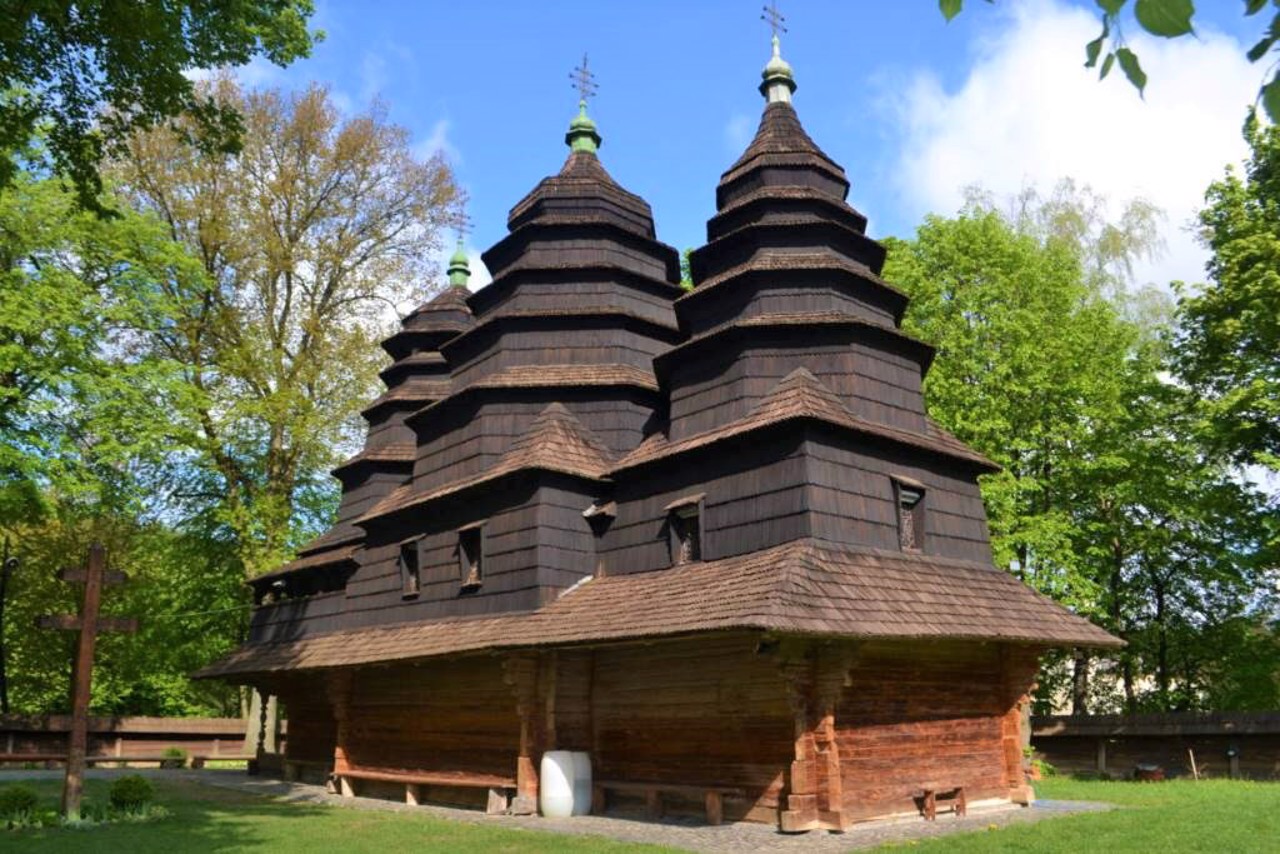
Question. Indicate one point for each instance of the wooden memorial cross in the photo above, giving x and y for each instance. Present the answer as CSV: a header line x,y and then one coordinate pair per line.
x,y
93,576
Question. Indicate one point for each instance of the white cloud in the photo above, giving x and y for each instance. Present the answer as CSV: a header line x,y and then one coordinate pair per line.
x,y
480,275
737,133
438,143
1028,113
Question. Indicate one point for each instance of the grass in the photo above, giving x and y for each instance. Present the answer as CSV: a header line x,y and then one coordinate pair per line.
x,y
207,819
1167,818
1178,816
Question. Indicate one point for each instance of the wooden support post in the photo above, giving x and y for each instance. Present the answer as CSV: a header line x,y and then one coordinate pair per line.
x,y
119,748
653,804
715,808
339,687
521,674
1102,754
8,743
1019,666
814,676
94,576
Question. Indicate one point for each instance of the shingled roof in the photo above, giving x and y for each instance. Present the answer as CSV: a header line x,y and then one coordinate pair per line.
x,y
561,198
556,441
805,587
781,140
801,395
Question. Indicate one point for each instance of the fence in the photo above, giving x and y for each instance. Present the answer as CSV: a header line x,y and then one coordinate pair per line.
x,y
1224,744
123,736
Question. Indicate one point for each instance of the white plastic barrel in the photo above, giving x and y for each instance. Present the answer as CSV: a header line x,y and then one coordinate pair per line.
x,y
581,783
555,788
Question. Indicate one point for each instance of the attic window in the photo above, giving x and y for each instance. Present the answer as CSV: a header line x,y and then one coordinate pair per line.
x,y
684,521
471,556
909,496
408,562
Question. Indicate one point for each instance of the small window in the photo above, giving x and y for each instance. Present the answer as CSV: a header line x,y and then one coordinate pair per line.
x,y
910,500
684,521
471,556
409,582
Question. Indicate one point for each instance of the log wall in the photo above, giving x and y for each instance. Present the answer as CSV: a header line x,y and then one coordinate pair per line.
x,y
916,713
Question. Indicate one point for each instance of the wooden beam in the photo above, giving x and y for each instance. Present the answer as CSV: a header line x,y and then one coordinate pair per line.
x,y
520,672
79,575
73,788
814,675
338,686
72,623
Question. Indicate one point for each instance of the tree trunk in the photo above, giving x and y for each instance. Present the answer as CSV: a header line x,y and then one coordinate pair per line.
x,y
1162,649
1080,682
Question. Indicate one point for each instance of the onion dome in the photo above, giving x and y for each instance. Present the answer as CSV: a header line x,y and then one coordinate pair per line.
x,y
459,267
778,82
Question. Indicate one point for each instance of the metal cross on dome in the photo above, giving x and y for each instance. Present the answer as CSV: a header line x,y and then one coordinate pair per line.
x,y
584,80
463,225
774,18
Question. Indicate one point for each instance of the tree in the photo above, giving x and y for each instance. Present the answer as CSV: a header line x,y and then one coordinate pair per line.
x,y
1166,19
1229,332
86,434
1108,499
1030,352
308,239
88,74
80,403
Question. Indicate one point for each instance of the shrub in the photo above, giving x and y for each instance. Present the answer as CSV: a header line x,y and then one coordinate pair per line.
x,y
173,757
131,794
17,801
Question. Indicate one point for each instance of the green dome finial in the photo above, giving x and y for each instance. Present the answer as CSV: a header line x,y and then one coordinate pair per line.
x,y
582,135
779,81
459,268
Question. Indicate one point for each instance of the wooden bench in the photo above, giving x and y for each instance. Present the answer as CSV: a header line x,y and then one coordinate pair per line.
x,y
712,796
199,760
928,795
47,758
112,760
500,788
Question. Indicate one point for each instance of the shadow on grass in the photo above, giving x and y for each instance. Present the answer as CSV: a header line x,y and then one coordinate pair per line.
x,y
203,818
207,818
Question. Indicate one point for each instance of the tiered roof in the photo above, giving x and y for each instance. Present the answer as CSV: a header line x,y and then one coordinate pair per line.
x,y
802,586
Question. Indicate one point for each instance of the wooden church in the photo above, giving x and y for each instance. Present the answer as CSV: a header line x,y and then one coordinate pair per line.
x,y
708,536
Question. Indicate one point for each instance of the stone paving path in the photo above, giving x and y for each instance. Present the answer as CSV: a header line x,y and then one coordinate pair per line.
x,y
689,836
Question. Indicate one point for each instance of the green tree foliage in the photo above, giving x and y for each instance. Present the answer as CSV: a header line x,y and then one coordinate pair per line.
x,y
308,237
1108,501
1229,331
1167,19
89,73
87,451
1029,350
80,402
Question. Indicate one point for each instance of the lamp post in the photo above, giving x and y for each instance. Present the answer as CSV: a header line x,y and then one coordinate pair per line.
x,y
6,569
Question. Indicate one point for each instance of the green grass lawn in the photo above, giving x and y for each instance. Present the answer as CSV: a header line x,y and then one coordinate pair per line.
x,y
208,819
1210,816
1220,816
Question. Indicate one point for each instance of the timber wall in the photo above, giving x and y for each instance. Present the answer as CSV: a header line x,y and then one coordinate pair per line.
x,y
712,710
929,713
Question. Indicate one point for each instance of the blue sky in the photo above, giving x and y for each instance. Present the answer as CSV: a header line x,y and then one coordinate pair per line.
x,y
914,108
